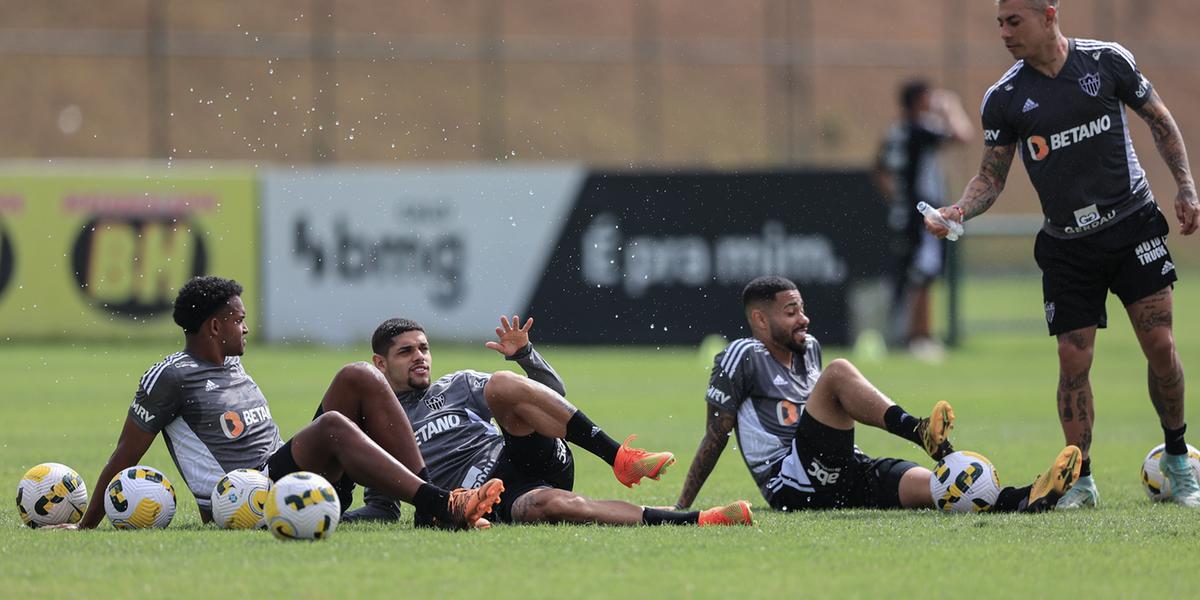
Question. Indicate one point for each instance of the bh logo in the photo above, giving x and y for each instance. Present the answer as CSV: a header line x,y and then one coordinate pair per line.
x,y
130,263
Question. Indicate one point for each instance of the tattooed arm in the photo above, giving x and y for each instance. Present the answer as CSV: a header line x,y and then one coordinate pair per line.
x,y
716,436
1169,141
982,190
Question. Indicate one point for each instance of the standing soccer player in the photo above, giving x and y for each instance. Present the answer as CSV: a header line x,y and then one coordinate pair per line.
x,y
1062,106
907,172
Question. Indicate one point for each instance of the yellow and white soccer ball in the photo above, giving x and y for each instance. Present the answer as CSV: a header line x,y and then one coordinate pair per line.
x,y
51,494
139,497
239,500
964,482
302,506
1157,486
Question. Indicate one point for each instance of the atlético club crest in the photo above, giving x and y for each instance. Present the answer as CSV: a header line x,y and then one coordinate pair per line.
x,y
435,402
1090,84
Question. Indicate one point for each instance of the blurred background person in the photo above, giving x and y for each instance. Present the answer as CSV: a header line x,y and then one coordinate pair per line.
x,y
907,172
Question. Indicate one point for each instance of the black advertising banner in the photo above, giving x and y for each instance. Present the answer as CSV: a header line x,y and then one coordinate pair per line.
x,y
663,258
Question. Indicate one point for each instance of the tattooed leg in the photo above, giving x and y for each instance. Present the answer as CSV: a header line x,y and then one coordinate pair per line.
x,y
1075,403
1152,319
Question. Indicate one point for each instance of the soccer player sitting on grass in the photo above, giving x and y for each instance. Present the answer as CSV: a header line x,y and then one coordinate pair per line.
x,y
452,419
214,419
795,422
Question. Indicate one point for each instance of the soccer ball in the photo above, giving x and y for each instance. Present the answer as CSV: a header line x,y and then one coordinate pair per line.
x,y
239,498
302,506
1157,486
964,482
139,498
51,494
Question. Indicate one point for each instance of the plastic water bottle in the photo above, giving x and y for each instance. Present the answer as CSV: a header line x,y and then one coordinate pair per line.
x,y
956,228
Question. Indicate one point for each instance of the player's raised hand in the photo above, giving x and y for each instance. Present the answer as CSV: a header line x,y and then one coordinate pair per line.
x,y
1187,209
512,336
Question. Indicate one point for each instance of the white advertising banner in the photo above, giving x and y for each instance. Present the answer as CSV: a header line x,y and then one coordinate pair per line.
x,y
452,248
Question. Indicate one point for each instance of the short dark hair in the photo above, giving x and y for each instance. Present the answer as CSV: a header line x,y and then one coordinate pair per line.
x,y
911,92
1039,4
381,340
763,289
201,298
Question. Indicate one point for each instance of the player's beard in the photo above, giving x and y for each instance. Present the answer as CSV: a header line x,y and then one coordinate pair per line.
x,y
784,337
417,385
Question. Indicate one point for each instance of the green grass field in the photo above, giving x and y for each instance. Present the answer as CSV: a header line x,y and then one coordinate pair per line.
x,y
66,402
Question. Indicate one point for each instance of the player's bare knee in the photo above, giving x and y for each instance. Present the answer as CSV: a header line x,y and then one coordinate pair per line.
x,y
1073,358
501,388
358,374
335,425
840,370
1160,350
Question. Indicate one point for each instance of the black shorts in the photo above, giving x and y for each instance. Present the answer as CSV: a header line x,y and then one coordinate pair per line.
x,y
282,463
529,463
916,259
825,470
1129,258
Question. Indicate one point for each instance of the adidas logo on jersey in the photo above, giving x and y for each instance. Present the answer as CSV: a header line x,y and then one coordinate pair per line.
x,y
1168,266
1029,105
779,380
210,386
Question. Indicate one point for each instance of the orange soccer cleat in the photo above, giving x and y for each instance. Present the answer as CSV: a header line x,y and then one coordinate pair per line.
x,y
737,513
632,464
467,507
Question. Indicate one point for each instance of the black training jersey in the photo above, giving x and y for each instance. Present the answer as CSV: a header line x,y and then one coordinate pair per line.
x,y
909,153
1073,136
767,397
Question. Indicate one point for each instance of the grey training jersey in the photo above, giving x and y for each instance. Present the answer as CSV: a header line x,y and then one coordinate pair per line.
x,y
767,398
1073,135
213,418
453,424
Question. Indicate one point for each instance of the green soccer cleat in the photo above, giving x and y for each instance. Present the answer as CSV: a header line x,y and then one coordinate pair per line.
x,y
1181,480
1082,495
935,431
1062,478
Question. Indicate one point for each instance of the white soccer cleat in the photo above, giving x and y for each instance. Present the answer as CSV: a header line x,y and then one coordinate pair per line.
x,y
1081,495
1183,487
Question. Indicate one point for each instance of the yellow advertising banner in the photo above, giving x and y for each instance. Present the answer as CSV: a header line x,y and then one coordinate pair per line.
x,y
99,252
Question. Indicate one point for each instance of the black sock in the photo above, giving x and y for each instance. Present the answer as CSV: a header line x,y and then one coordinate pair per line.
x,y
1174,439
1086,469
658,516
582,432
901,423
432,500
1011,499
